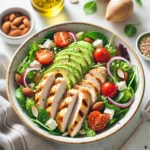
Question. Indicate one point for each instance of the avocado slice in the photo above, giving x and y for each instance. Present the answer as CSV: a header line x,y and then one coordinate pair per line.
x,y
63,71
76,56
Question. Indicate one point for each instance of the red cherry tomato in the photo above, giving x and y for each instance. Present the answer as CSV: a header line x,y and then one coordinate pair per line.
x,y
97,121
62,39
109,89
45,57
101,55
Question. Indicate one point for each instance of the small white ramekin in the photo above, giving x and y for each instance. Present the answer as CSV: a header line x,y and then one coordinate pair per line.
x,y
140,37
19,39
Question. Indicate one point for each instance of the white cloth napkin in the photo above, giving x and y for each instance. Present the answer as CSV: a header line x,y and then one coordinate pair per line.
x,y
13,134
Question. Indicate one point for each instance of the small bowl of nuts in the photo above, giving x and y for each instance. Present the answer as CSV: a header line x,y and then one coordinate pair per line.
x,y
16,25
143,45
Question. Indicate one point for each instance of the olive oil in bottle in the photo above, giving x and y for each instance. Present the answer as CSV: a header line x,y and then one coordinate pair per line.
x,y
48,8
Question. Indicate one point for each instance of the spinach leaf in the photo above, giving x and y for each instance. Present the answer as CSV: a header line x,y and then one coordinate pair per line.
x,y
55,132
119,115
50,35
130,30
89,132
43,116
111,122
139,2
20,97
29,104
97,35
90,7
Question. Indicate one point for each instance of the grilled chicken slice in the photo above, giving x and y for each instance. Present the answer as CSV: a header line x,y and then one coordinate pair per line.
x,y
100,73
65,109
80,110
93,79
43,89
55,95
91,87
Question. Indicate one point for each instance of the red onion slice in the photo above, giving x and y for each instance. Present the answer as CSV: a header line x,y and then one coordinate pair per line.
x,y
25,74
125,105
73,36
115,58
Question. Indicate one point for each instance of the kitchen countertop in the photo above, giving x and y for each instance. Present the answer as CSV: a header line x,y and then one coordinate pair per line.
x,y
74,12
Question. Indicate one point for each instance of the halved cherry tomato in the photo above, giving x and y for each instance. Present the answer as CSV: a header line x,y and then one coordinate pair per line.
x,y
62,39
109,89
97,121
101,55
45,57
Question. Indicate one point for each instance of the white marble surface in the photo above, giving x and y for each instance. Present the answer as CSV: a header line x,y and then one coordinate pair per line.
x,y
75,13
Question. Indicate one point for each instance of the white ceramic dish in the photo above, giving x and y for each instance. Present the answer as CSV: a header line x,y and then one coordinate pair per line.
x,y
20,39
140,37
75,27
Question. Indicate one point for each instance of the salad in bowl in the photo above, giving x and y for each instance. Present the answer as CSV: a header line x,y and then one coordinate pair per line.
x,y
73,84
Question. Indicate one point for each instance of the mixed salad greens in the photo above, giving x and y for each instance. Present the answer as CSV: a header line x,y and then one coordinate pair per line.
x,y
87,67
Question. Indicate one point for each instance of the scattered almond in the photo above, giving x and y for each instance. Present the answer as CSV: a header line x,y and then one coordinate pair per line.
x,y
35,111
126,76
12,17
74,1
6,27
18,79
22,26
28,92
89,40
26,23
17,21
98,106
6,18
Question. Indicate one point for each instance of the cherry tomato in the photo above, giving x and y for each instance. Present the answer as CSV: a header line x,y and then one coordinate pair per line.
x,y
109,89
97,121
62,39
45,57
101,55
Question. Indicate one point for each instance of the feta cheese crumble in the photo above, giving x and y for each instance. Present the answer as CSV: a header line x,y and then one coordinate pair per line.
x,y
35,64
48,44
111,112
121,85
51,123
98,43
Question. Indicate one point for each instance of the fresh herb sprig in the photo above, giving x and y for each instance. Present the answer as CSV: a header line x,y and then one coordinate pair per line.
x,y
90,7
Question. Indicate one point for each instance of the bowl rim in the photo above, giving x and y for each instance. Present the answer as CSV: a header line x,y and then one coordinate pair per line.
x,y
31,20
139,38
65,141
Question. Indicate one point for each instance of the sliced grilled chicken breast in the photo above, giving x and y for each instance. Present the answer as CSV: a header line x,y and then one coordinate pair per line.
x,y
65,109
91,87
43,89
55,95
93,79
100,73
80,110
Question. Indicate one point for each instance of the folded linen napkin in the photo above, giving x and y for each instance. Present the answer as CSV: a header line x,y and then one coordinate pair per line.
x,y
13,134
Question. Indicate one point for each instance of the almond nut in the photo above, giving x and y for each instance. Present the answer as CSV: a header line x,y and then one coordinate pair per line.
x,y
26,23
37,77
13,27
126,76
98,106
15,33
89,40
28,92
6,18
17,21
12,17
22,26
24,31
6,27
18,79
25,17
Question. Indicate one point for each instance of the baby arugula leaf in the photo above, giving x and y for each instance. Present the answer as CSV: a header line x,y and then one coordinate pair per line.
x,y
130,30
90,7
139,2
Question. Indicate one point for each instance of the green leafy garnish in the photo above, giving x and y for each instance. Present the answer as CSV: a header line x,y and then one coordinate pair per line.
x,y
20,97
80,35
139,2
90,7
130,30
97,35
50,35
55,132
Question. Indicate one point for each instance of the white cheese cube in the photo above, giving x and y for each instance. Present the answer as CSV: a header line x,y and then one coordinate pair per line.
x,y
48,44
35,64
98,43
51,123
31,85
121,85
111,112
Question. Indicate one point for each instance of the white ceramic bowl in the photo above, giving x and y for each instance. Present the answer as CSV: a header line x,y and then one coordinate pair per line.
x,y
140,37
20,39
74,27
